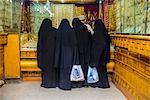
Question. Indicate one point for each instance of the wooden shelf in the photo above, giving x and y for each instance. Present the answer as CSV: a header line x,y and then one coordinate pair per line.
x,y
31,78
30,69
28,54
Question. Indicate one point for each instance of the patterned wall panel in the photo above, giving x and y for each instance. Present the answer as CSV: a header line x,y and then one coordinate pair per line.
x,y
63,11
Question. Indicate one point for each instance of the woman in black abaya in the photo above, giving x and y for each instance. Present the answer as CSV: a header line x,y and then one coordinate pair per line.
x,y
106,37
65,53
45,54
76,23
84,46
100,53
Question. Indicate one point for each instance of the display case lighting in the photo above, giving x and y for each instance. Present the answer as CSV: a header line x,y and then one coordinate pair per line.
x,y
68,1
21,3
100,1
47,1
38,9
62,1
37,1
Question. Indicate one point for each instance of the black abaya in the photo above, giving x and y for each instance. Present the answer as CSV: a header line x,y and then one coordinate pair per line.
x,y
65,53
107,39
100,53
45,54
84,46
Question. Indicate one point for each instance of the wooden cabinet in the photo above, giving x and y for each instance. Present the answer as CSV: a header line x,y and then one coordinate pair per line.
x,y
134,43
28,63
12,56
3,42
1,61
132,65
30,70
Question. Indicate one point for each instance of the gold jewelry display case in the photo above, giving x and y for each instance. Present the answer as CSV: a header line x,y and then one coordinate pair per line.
x,y
16,62
132,65
28,57
28,64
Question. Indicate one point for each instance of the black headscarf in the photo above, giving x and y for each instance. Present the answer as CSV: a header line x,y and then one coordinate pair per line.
x,y
66,31
79,30
98,36
83,41
76,23
65,40
102,37
100,27
45,27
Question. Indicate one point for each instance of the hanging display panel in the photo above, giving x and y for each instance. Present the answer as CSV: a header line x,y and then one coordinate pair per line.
x,y
140,16
106,16
148,17
112,16
131,16
26,17
91,12
55,12
1,15
62,11
10,14
79,10
74,1
28,41
118,19
16,15
128,18
5,15
39,11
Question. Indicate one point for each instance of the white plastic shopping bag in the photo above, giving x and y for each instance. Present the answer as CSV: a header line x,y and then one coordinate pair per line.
x,y
77,73
92,76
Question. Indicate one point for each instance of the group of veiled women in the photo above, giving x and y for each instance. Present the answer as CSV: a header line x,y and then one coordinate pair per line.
x,y
59,49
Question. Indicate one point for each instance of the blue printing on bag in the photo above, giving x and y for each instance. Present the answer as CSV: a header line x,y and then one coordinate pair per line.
x,y
76,74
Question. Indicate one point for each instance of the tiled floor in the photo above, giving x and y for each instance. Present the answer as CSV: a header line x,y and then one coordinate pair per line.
x,y
18,90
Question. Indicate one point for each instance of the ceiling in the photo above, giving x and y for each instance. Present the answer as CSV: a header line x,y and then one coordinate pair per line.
x,y
67,1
